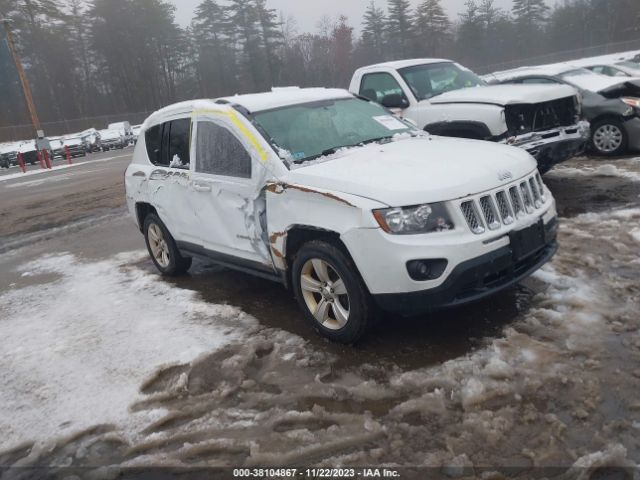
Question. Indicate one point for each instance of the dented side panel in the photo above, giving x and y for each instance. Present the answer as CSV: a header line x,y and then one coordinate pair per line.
x,y
290,206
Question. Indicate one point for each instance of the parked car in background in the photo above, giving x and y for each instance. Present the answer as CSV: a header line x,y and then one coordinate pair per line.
x,y
111,139
445,98
76,144
125,130
29,152
57,147
611,104
136,132
91,138
8,154
332,195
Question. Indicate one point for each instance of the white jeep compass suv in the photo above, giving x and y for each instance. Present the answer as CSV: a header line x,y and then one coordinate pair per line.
x,y
333,196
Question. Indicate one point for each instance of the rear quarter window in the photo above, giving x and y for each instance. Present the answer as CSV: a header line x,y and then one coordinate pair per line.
x,y
153,140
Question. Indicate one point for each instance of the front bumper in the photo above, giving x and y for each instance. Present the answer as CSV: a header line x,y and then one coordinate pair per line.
x,y
470,281
554,146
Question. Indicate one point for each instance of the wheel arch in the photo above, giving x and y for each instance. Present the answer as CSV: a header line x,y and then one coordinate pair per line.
x,y
142,210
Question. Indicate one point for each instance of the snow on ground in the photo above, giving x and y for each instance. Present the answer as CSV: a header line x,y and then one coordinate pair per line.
x,y
75,351
13,176
622,168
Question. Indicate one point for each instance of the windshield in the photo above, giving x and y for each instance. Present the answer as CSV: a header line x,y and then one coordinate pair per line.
x,y
311,130
629,64
429,80
578,72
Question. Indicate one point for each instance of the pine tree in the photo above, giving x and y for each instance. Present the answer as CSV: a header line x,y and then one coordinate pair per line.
x,y
373,32
432,27
271,36
243,17
342,39
400,28
215,55
529,17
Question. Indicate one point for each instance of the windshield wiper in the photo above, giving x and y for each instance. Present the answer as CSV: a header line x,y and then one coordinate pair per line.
x,y
332,150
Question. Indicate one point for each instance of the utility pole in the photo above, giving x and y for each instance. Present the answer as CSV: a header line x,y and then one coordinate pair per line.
x,y
26,89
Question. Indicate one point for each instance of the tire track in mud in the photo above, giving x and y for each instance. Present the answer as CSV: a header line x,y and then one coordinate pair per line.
x,y
556,389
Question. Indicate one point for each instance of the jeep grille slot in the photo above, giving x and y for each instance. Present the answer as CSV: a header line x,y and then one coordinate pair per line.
x,y
504,208
518,208
489,212
526,197
543,197
536,194
470,212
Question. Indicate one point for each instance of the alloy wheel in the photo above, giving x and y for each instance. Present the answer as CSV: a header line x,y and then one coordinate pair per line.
x,y
325,294
158,244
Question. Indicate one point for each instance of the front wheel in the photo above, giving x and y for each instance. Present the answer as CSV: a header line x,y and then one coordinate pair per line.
x,y
331,293
162,248
609,137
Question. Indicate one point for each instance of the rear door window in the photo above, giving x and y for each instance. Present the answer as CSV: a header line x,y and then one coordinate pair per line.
x,y
153,139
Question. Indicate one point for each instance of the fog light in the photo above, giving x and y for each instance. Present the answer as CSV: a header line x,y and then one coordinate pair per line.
x,y
422,270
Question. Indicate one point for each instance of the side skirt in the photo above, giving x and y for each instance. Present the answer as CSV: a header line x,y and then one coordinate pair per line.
x,y
235,263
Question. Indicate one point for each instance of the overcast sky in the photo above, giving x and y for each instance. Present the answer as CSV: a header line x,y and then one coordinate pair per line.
x,y
308,12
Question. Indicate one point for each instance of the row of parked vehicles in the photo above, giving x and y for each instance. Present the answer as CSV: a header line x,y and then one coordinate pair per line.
x,y
115,136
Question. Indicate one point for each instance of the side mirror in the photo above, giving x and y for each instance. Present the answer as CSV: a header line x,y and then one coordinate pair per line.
x,y
395,100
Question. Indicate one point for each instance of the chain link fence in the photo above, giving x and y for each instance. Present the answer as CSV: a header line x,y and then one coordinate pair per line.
x,y
22,132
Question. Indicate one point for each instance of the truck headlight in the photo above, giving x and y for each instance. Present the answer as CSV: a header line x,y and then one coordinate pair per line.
x,y
413,220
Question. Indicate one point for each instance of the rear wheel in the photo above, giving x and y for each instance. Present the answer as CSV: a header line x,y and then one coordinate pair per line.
x,y
331,293
162,248
609,137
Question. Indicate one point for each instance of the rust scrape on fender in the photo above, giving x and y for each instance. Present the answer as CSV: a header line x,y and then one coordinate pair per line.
x,y
279,188
273,239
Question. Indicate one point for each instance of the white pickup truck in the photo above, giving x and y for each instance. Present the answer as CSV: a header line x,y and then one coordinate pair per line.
x,y
447,99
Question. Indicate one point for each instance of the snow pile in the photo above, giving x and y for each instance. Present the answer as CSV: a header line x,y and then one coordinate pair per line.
x,y
75,351
607,170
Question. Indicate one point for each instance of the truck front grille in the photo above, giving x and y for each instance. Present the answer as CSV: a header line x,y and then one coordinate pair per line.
x,y
539,117
504,206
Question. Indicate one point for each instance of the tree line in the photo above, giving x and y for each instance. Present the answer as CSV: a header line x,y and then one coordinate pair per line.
x,y
86,58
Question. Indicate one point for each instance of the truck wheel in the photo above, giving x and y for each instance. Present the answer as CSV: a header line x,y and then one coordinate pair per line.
x,y
331,293
609,137
162,248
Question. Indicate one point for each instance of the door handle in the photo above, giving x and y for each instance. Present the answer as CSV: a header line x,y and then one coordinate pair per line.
x,y
201,187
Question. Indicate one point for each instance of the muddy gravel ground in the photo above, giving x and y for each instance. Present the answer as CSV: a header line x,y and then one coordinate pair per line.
x,y
106,367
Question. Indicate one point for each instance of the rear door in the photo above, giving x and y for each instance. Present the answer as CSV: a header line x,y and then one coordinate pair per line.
x,y
168,148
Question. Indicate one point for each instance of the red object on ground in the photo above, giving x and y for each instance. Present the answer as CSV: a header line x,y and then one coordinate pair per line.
x,y
67,153
23,167
40,159
47,160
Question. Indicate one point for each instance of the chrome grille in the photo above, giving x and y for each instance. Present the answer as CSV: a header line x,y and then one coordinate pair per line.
x,y
489,212
503,207
470,212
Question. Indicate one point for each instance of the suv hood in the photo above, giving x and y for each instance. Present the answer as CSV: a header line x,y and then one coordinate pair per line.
x,y
505,94
417,170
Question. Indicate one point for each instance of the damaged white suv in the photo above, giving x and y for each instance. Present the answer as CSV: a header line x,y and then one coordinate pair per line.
x,y
331,195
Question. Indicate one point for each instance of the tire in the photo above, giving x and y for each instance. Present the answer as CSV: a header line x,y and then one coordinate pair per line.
x,y
609,137
347,316
162,248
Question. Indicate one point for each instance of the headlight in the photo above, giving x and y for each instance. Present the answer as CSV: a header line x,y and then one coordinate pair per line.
x,y
632,102
413,220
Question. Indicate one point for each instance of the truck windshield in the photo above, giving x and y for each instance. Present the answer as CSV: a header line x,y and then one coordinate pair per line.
x,y
307,131
429,80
